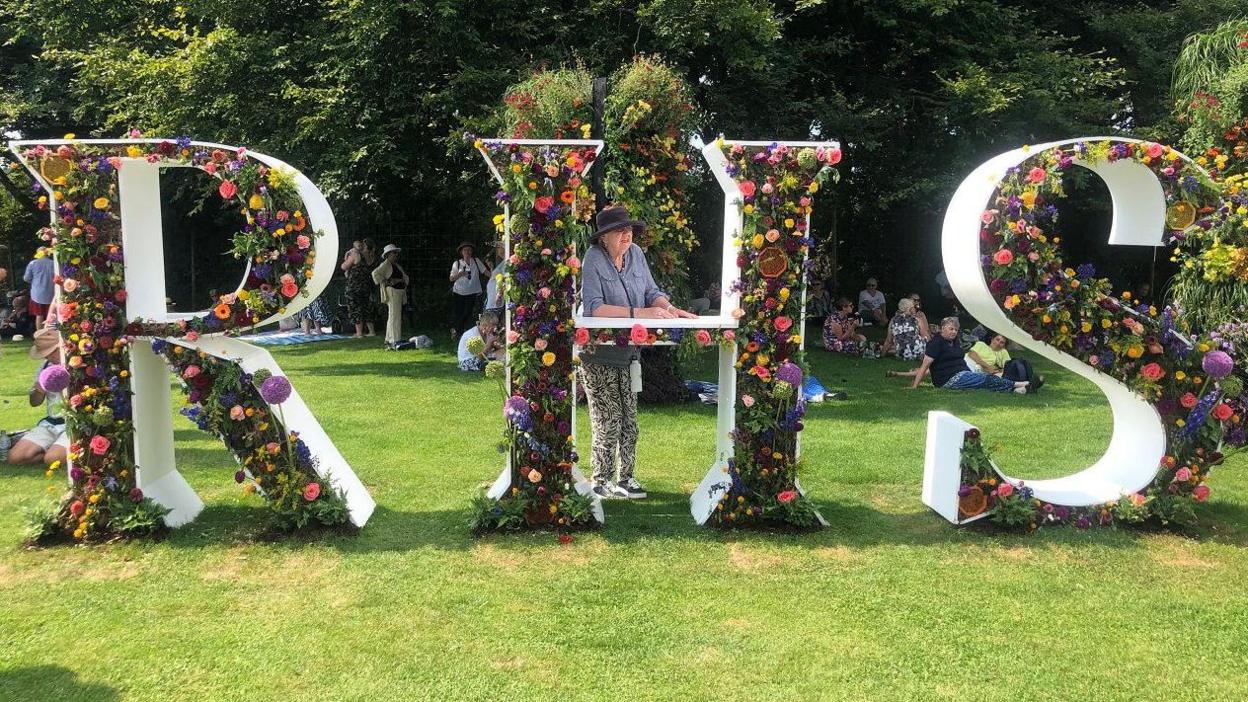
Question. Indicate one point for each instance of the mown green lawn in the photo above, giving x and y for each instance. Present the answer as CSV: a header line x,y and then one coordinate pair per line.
x,y
890,602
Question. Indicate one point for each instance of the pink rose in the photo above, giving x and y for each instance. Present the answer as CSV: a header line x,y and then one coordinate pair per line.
x,y
1188,400
190,372
1033,257
738,313
273,448
290,289
1137,499
1152,372
540,344
512,336
703,337
988,216
1035,175
638,334
1183,475
192,336
312,491
227,189
761,372
543,293
1005,490
582,336
746,188
544,203
573,262
786,496
1153,149
303,242
69,285
773,235
237,413
730,335
783,323
747,400
1004,257
99,445
833,156
1201,493
210,168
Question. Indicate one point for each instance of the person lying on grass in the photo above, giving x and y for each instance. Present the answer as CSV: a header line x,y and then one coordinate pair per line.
x,y
944,358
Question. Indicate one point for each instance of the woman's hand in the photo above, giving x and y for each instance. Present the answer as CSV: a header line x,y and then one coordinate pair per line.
x,y
682,314
654,313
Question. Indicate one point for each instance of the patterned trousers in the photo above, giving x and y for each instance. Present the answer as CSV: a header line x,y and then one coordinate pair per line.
x,y
613,419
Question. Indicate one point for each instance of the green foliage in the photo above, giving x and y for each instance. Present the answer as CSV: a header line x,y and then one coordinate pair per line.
x,y
135,519
1210,85
1173,509
1014,512
497,515
42,520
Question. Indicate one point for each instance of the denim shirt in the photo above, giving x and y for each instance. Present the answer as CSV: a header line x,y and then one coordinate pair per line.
x,y
603,284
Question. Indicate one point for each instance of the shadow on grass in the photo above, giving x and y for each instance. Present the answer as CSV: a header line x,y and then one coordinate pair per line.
x,y
51,682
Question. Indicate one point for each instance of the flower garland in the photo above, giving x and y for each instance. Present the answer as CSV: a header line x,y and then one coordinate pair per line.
x,y
542,186
86,239
777,184
1182,371
236,406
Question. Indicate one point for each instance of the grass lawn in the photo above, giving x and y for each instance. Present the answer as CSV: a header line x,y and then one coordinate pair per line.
x,y
890,602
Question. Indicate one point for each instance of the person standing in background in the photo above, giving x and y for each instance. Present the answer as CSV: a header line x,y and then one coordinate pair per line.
x,y
392,280
40,274
494,289
467,272
357,264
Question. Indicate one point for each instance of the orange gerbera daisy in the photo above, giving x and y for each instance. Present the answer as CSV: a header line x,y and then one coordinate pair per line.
x,y
222,311
567,196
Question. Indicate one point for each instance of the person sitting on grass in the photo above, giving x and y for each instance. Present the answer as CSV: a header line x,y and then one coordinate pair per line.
x,y
47,442
991,356
478,345
908,333
840,330
871,304
947,363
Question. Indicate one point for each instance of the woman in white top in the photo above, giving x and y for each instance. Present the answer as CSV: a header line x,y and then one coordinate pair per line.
x,y
393,281
467,274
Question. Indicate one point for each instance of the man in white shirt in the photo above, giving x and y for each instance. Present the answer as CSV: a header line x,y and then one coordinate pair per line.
x,y
485,331
871,305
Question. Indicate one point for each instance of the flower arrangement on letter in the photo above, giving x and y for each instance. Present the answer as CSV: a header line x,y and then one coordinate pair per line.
x,y
244,409
1184,371
543,184
778,185
86,238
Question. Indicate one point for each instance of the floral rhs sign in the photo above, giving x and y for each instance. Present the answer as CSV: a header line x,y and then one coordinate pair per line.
x,y
1177,396
103,198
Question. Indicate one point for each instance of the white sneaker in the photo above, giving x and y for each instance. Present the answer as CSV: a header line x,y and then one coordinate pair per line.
x,y
631,489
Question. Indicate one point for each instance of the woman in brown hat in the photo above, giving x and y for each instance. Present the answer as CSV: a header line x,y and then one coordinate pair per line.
x,y
47,441
467,274
616,282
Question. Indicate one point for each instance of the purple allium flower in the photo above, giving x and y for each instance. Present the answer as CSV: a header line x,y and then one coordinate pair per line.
x,y
275,390
1217,364
239,476
516,410
790,373
54,378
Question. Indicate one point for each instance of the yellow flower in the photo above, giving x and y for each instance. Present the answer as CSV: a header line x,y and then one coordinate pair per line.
x,y
1180,375
548,359
784,294
788,223
795,339
749,209
758,241
1085,327
1029,199
255,202
814,188
101,203
134,151
1106,324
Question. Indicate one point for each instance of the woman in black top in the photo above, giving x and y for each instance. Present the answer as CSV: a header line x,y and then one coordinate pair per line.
x,y
944,357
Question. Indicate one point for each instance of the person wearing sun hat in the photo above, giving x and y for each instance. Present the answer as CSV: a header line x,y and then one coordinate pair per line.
x,y
467,272
616,282
393,281
47,441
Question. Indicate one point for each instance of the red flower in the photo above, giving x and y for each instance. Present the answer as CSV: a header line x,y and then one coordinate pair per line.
x,y
544,203
1153,372
1035,175
783,324
1223,412
1188,400
565,539
312,491
786,497
582,336
227,189
746,188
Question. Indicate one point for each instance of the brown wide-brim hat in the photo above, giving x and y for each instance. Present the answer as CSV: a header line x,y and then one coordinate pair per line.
x,y
47,344
460,249
612,218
